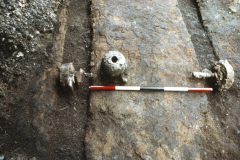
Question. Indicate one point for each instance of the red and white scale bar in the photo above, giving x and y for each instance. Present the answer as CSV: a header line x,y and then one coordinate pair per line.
x,y
138,88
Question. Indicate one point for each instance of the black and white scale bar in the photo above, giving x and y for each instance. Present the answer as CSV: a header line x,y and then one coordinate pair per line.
x,y
138,88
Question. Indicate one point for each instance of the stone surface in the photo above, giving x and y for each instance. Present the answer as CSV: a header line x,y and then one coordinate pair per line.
x,y
146,125
223,26
200,39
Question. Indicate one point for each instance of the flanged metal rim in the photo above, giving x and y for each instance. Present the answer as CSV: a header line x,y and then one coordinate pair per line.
x,y
225,75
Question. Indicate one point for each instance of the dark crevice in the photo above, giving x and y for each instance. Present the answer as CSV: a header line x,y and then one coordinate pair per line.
x,y
201,21
199,36
77,49
200,39
198,13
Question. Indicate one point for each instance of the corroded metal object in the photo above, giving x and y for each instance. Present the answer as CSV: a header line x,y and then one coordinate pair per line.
x,y
204,74
114,66
68,74
223,73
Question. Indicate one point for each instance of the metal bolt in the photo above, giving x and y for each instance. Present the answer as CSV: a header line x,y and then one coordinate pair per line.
x,y
222,72
204,74
68,74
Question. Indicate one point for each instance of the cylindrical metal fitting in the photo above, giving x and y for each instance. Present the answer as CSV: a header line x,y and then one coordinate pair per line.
x,y
67,75
203,75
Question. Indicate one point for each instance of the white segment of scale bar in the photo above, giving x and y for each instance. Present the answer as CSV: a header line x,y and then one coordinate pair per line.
x,y
175,88
129,88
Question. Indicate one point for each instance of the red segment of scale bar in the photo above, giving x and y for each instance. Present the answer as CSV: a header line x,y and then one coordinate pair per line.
x,y
103,87
200,89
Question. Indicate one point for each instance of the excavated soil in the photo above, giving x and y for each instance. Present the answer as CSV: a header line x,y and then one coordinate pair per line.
x,y
40,119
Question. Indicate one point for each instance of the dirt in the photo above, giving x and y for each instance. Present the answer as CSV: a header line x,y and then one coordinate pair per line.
x,y
74,106
39,118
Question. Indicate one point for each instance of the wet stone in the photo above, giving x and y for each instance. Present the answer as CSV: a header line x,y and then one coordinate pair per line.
x,y
157,46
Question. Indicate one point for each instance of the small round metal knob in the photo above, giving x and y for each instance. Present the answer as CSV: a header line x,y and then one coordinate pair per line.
x,y
114,63
114,66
